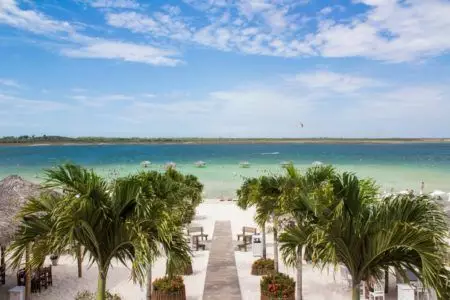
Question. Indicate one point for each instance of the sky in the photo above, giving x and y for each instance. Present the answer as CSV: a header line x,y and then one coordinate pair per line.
x,y
225,68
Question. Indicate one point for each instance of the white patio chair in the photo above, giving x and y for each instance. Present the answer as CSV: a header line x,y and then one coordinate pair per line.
x,y
378,291
421,292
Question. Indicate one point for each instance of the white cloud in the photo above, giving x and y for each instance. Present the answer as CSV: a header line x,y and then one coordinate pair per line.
x,y
391,30
124,51
336,82
20,105
74,44
9,83
125,4
78,90
30,20
100,100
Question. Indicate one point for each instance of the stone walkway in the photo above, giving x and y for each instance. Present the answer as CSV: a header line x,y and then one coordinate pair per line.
x,y
221,275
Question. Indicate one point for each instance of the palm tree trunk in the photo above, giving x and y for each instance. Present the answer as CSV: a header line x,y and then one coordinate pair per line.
x,y
149,283
27,273
275,243
2,258
101,286
386,280
79,261
299,274
264,251
355,291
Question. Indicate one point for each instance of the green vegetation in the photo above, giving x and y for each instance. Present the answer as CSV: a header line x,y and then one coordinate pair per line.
x,y
263,266
169,284
54,139
339,220
86,295
278,286
129,219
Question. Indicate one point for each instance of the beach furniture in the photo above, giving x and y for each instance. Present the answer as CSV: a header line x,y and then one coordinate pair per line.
x,y
41,278
200,164
196,243
197,231
244,164
247,233
378,291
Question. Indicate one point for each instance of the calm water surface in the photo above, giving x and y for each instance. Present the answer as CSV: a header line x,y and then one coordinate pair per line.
x,y
398,166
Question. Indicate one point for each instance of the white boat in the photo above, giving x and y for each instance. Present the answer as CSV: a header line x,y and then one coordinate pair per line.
x,y
170,165
285,163
317,163
200,164
145,163
244,164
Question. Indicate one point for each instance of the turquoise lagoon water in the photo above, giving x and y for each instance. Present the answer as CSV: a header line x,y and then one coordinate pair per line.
x,y
398,166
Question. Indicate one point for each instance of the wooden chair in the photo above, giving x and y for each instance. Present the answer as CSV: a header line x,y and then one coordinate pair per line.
x,y
197,244
197,231
48,273
247,233
21,277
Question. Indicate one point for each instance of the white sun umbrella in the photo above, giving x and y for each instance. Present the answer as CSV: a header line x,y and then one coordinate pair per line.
x,y
404,192
317,163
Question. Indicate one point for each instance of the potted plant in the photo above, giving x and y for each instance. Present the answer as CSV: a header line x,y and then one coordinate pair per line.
x,y
54,258
169,288
277,286
263,266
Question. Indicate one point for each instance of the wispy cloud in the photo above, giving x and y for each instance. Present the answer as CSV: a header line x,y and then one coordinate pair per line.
x,y
124,51
129,4
336,82
100,100
75,44
9,83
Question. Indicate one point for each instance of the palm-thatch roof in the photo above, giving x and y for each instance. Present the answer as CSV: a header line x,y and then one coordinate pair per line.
x,y
14,192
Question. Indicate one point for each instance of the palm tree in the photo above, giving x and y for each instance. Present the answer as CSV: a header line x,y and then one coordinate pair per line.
x,y
177,195
299,194
265,194
248,196
368,235
110,221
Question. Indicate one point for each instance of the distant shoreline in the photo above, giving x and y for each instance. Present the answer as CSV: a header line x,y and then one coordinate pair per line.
x,y
112,141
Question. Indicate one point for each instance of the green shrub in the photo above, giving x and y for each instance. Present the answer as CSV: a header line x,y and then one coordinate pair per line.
x,y
263,266
86,295
277,286
167,284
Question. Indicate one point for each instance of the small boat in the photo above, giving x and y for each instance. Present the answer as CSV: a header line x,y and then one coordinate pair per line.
x,y
244,164
170,165
145,163
200,164
285,163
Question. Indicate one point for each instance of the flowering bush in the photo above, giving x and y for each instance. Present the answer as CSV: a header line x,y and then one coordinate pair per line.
x,y
167,284
86,295
263,266
277,286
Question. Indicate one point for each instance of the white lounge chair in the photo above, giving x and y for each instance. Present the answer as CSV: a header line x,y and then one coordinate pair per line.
x,y
378,291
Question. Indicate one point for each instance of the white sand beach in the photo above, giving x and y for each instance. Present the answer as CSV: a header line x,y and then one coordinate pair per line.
x,y
317,285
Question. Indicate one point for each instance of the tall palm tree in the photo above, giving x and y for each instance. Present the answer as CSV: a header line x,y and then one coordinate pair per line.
x,y
264,193
300,204
368,235
106,219
248,196
177,195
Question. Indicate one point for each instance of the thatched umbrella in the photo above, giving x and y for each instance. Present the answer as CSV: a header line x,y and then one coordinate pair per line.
x,y
14,192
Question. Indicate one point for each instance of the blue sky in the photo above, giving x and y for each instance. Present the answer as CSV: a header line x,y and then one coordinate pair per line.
x,y
228,68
